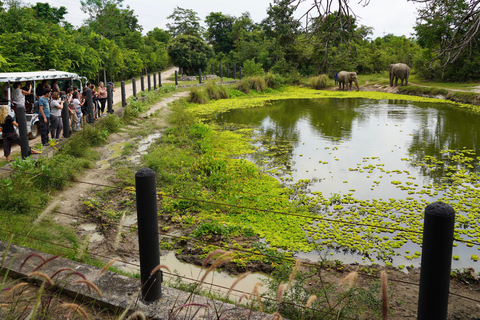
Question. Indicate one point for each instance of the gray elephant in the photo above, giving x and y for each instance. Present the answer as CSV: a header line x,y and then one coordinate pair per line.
x,y
346,78
399,71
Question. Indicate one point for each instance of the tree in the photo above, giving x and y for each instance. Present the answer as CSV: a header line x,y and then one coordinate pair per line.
x,y
157,35
185,22
109,19
51,14
281,26
219,31
190,53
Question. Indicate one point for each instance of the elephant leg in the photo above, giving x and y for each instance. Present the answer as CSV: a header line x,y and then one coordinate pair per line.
x,y
396,81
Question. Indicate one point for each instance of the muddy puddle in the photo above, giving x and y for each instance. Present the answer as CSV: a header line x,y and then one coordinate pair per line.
x,y
217,281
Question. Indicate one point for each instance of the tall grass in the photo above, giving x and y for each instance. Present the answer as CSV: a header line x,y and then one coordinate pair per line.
x,y
216,92
318,82
198,95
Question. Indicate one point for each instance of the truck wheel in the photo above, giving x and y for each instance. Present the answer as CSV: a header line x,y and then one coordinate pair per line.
x,y
34,133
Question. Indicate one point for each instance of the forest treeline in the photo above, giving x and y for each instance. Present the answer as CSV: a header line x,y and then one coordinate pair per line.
x,y
111,40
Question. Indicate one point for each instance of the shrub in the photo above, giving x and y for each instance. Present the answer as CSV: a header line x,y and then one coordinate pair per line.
x,y
243,86
318,82
216,92
198,95
235,93
257,83
252,69
274,81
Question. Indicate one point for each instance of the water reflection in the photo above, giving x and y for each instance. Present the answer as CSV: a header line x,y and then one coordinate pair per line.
x,y
371,150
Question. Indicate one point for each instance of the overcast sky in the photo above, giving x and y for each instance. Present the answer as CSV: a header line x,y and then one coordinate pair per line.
x,y
392,16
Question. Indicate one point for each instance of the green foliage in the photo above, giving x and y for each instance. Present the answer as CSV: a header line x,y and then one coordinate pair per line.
x,y
250,68
215,91
318,82
219,31
257,83
236,93
274,81
190,53
198,95
417,90
208,229
185,22
243,86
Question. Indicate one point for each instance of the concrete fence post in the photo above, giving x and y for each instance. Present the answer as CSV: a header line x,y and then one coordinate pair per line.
x,y
142,83
90,118
109,99
149,82
176,78
22,128
436,261
124,98
134,87
148,234
154,81
66,120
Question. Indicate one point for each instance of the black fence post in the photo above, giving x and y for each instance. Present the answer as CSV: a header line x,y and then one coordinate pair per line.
x,y
154,81
234,71
159,79
109,99
148,82
176,78
240,72
199,75
22,128
66,120
124,99
436,262
148,234
228,71
134,87
142,83
90,118
211,69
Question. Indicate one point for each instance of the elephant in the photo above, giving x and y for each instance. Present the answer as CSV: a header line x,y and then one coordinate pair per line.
x,y
399,71
346,78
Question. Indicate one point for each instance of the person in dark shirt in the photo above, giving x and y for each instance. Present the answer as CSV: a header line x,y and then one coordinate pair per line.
x,y
8,133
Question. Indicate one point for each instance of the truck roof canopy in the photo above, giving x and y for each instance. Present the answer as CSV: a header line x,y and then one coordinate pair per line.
x,y
37,76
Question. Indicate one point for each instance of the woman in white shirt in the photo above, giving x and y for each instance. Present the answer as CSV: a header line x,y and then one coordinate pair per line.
x,y
56,123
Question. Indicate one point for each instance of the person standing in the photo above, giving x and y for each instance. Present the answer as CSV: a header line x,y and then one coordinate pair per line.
x,y
18,95
44,115
336,78
56,123
102,98
8,133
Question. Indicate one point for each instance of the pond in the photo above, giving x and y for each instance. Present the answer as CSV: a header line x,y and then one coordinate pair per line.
x,y
372,164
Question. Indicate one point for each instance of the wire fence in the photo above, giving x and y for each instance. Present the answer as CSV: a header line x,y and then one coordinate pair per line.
x,y
196,241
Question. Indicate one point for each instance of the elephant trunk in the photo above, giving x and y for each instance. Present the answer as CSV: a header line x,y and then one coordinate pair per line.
x,y
356,83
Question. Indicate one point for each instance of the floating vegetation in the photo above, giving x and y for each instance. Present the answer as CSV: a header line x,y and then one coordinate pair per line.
x,y
378,229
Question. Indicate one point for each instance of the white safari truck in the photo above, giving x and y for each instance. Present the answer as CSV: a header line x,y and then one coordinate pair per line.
x,y
64,80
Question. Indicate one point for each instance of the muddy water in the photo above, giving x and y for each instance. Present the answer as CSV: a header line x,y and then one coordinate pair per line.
x,y
217,281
